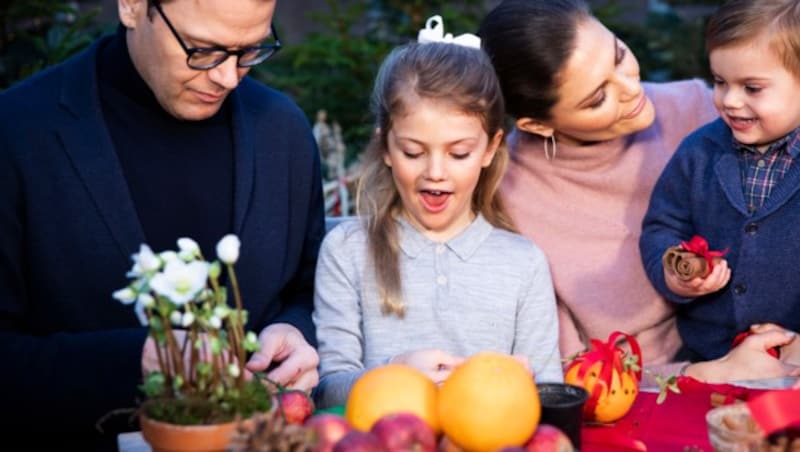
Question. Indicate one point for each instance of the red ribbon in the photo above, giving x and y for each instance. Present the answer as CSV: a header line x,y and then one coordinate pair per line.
x,y
698,245
776,410
610,355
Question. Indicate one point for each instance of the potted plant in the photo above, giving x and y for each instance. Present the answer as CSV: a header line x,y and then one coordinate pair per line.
x,y
200,342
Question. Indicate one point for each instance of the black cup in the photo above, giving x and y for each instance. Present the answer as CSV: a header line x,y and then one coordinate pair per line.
x,y
562,406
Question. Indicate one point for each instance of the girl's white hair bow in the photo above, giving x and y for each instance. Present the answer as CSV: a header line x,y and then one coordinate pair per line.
x,y
434,32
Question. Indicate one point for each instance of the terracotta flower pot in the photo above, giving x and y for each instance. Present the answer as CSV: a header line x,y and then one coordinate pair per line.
x,y
166,437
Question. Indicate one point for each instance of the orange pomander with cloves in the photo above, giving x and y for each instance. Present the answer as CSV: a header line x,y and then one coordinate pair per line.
x,y
610,375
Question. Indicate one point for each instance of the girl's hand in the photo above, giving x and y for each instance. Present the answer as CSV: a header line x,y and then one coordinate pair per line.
x,y
696,287
748,361
434,363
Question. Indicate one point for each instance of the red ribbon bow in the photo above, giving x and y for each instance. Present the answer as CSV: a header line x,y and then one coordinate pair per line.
x,y
610,355
698,245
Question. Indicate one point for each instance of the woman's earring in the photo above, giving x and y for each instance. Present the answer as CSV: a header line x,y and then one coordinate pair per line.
x,y
550,142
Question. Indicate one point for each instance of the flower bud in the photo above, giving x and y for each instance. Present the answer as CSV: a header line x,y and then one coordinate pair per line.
x,y
228,249
188,248
214,269
124,296
222,311
147,300
233,370
215,322
175,318
187,320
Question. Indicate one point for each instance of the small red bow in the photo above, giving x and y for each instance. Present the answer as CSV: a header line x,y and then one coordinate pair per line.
x,y
698,245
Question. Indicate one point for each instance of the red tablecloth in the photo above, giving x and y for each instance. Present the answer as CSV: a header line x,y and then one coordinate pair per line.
x,y
678,424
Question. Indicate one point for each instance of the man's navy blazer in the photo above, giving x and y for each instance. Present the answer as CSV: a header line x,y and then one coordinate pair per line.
x,y
68,228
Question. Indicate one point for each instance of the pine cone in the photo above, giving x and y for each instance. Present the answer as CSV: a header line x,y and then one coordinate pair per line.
x,y
269,432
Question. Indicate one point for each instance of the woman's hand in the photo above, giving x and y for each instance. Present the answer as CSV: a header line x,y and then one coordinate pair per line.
x,y
749,360
696,287
790,353
434,363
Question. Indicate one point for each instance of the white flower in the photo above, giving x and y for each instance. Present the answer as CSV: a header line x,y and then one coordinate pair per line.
x,y
228,249
175,318
125,296
215,322
179,281
233,370
188,246
168,256
145,261
187,320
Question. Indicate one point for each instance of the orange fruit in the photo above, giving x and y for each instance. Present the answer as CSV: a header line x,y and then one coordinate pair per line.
x,y
390,389
613,404
489,402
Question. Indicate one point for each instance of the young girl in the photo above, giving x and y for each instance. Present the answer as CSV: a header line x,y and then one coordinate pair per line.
x,y
433,272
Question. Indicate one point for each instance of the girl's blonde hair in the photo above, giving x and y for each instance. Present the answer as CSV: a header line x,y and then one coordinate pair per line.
x,y
460,76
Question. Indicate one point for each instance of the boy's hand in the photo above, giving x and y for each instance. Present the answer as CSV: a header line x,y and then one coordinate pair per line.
x,y
696,287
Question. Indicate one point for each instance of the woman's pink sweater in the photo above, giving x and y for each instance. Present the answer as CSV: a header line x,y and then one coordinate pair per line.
x,y
584,209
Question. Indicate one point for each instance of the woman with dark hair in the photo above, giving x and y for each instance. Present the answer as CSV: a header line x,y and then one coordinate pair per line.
x,y
590,141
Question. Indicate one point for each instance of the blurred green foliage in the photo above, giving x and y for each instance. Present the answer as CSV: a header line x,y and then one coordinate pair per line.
x,y
35,34
334,67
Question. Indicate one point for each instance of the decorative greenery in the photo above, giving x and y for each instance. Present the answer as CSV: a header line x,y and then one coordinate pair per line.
x,y
35,34
201,343
334,68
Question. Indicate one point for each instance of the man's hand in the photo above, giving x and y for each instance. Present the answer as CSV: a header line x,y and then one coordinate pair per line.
x,y
293,361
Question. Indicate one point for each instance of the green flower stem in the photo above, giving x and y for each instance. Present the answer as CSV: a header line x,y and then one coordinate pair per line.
x,y
159,355
172,344
237,326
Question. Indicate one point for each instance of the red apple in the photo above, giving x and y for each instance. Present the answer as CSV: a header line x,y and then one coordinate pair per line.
x,y
358,441
295,405
327,430
404,432
548,438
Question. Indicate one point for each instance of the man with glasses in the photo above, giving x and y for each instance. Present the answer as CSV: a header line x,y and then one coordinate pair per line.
x,y
152,134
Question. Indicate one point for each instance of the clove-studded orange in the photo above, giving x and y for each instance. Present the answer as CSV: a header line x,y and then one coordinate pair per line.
x,y
610,375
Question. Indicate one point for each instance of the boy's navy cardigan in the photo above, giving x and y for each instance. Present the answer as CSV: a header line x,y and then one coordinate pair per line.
x,y
700,192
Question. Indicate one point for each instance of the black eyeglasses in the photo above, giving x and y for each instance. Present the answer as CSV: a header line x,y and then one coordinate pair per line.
x,y
202,58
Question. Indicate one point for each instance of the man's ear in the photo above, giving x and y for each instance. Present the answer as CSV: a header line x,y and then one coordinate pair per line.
x,y
535,126
130,11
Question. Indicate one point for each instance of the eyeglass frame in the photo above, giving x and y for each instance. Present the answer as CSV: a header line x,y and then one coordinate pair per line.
x,y
191,51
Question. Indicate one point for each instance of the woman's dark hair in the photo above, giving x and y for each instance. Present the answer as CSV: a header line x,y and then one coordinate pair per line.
x,y
529,42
